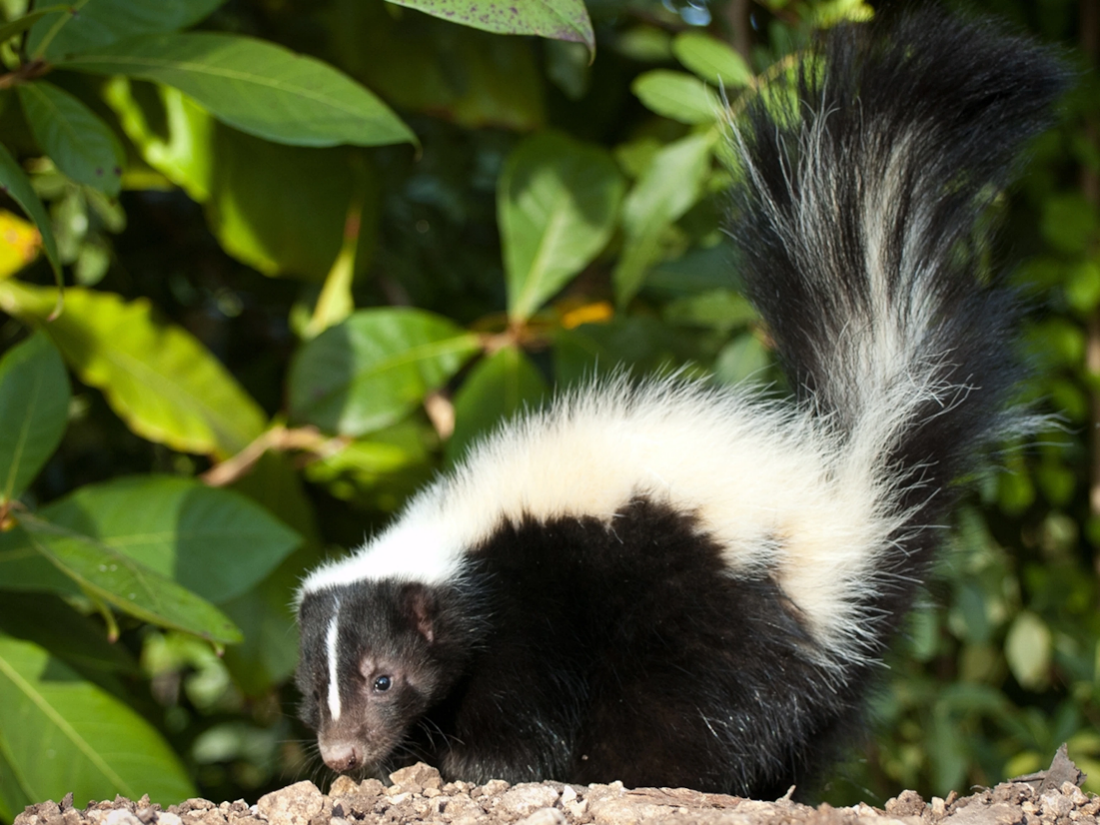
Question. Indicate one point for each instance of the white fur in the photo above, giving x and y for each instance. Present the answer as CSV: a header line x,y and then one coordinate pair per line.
x,y
331,636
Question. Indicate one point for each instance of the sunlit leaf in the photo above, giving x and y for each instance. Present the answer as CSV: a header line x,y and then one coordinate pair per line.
x,y
712,60
165,384
678,96
669,187
557,200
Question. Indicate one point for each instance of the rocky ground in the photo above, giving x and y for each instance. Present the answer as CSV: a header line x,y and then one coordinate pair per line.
x,y
419,795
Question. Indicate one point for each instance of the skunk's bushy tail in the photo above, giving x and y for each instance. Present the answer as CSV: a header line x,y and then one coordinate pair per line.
x,y
857,219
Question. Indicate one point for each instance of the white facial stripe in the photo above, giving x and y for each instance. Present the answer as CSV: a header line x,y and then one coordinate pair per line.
x,y
333,676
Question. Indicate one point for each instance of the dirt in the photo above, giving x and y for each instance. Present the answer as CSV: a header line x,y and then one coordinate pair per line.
x,y
419,795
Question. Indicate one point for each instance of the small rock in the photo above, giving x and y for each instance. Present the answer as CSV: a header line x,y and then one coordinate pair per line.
x,y
939,807
525,799
544,816
416,778
907,803
295,804
1054,805
343,785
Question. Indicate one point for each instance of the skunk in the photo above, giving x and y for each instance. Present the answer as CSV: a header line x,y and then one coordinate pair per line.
x,y
673,584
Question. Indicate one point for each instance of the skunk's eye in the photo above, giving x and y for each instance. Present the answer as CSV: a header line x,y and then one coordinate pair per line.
x,y
382,684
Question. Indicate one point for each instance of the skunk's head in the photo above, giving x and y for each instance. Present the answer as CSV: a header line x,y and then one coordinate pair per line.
x,y
375,655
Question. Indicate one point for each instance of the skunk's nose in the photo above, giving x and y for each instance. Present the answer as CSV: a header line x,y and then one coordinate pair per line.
x,y
342,756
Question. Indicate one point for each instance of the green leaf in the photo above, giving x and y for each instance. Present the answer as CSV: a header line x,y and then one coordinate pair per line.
x,y
557,200
21,24
496,389
374,368
669,187
113,577
59,733
1028,649
14,183
255,86
214,542
677,96
165,384
712,60
555,19
89,24
82,145
34,411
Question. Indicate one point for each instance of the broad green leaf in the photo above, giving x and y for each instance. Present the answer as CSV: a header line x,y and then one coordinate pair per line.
x,y
34,410
1028,649
496,389
14,183
374,368
115,578
59,733
714,61
678,96
555,19
255,86
214,542
163,382
26,21
557,200
82,145
89,24
669,187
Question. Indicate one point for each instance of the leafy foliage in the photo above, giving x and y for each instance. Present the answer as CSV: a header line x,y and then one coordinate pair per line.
x,y
320,247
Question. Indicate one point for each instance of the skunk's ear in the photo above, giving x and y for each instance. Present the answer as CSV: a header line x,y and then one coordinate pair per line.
x,y
420,610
